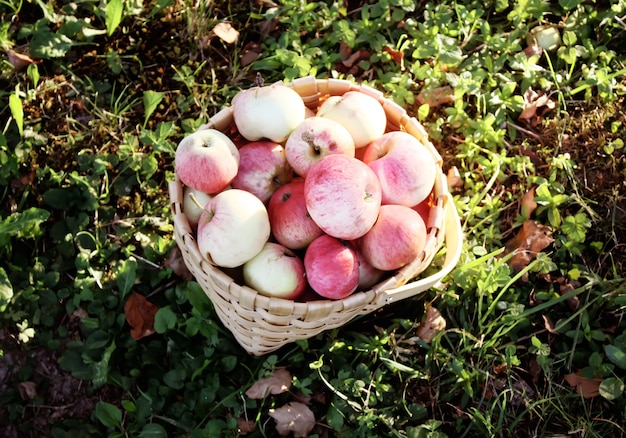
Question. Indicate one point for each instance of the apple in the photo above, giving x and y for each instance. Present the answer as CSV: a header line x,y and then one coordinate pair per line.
x,y
276,271
193,208
362,115
207,160
263,168
343,196
269,112
291,224
233,228
368,275
397,238
404,166
424,207
332,267
315,138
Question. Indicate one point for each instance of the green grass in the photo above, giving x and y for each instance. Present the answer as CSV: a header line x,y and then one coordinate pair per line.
x,y
87,144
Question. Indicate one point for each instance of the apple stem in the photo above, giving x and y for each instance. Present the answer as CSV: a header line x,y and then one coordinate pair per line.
x,y
192,196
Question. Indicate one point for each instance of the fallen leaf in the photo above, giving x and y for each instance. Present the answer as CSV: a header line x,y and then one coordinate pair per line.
x,y
436,97
530,240
294,418
355,58
588,388
396,55
245,426
19,60
432,324
549,325
344,50
453,178
277,383
533,50
250,53
27,390
528,204
177,264
140,315
574,302
226,32
266,3
535,107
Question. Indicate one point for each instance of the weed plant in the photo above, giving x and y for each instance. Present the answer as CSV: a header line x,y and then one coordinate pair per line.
x,y
94,98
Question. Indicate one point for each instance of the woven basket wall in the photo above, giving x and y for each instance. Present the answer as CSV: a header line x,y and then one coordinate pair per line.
x,y
261,324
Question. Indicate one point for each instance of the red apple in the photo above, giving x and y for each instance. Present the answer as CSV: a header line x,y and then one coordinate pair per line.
x,y
332,267
404,166
424,207
207,160
233,228
263,168
315,138
343,196
397,238
270,112
362,115
276,271
368,275
290,221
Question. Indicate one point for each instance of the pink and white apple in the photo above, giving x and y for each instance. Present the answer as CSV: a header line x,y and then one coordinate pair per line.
x,y
361,114
270,112
291,224
315,138
276,272
263,168
343,196
332,267
233,228
193,208
397,238
368,275
207,160
404,166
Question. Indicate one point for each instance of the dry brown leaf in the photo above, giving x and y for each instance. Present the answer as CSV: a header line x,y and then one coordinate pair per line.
x,y
140,315
356,57
533,50
226,32
454,178
177,264
574,302
27,390
432,324
535,107
531,239
245,426
528,204
277,383
396,55
588,388
20,61
436,97
344,50
549,325
294,418
250,53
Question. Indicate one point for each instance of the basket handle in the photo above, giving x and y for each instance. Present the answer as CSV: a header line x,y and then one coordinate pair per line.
x,y
454,244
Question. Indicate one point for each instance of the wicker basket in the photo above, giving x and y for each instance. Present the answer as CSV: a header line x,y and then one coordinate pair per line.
x,y
262,324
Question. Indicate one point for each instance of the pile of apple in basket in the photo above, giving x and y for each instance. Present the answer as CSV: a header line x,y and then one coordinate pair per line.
x,y
307,204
